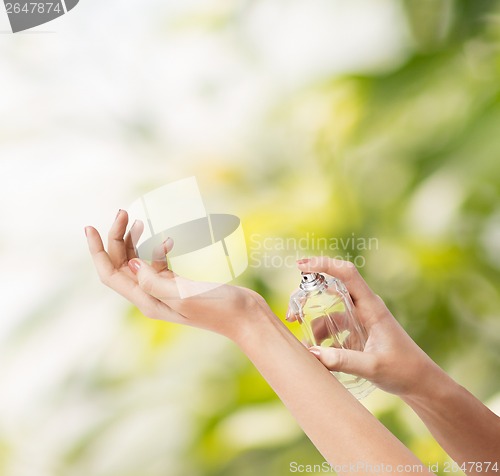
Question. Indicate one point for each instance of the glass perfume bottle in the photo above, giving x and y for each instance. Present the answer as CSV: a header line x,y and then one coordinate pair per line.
x,y
325,311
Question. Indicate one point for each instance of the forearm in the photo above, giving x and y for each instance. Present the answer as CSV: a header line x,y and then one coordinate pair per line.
x,y
339,426
466,429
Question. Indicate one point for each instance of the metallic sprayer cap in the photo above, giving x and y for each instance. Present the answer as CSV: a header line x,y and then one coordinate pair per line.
x,y
311,281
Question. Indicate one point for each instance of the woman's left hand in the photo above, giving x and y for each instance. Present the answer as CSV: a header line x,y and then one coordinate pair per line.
x,y
154,289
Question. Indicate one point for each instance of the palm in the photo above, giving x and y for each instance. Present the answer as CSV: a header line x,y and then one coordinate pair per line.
x,y
156,290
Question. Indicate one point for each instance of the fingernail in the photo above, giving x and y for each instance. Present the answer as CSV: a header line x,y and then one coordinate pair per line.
x,y
86,231
118,214
303,261
133,225
134,265
289,315
168,243
315,352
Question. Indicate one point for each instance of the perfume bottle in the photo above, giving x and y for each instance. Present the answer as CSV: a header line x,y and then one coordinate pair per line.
x,y
325,311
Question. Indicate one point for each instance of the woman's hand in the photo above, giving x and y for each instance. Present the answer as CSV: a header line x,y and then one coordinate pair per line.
x,y
391,359
227,310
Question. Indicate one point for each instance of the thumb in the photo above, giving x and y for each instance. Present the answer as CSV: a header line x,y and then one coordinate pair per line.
x,y
353,362
160,287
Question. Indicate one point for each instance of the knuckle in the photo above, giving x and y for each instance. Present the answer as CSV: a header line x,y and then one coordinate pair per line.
x,y
342,359
105,279
350,268
334,359
379,307
375,368
146,285
150,313
111,235
145,308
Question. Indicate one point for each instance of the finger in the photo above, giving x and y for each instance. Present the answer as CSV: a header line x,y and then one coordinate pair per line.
x,y
291,316
180,294
343,270
116,243
132,238
162,287
159,255
293,312
326,327
352,362
123,284
349,334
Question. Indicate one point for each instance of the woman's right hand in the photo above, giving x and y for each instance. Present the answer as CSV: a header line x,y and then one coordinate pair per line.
x,y
391,359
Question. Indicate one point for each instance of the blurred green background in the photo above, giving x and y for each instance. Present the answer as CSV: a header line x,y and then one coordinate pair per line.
x,y
366,119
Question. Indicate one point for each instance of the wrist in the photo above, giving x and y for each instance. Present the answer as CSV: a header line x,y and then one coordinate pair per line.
x,y
432,387
257,319
259,326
